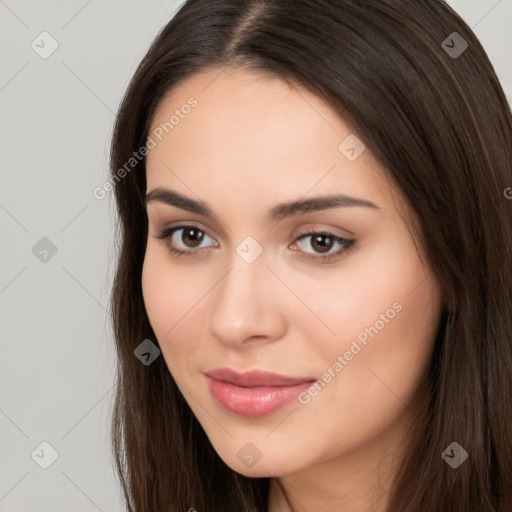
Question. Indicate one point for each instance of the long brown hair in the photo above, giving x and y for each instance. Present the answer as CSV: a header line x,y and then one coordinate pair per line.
x,y
432,111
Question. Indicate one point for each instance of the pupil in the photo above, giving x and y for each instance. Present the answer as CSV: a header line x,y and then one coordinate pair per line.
x,y
320,241
193,234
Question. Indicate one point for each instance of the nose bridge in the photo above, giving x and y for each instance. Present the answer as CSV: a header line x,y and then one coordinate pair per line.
x,y
243,304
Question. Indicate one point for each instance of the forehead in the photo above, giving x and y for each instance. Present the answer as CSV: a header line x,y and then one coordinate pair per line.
x,y
239,102
250,133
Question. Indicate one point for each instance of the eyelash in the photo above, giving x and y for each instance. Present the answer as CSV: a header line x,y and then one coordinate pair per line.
x,y
347,244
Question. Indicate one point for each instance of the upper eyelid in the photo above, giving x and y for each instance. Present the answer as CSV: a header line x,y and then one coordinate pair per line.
x,y
311,230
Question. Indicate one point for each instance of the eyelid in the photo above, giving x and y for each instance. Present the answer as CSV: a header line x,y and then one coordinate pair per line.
x,y
313,228
169,230
181,224
320,228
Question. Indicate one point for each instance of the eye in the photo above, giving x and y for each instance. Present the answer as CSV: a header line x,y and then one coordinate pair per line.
x,y
190,239
186,240
322,242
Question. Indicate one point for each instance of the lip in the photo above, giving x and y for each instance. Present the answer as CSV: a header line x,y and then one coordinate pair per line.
x,y
256,392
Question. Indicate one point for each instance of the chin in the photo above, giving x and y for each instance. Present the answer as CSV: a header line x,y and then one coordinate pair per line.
x,y
262,465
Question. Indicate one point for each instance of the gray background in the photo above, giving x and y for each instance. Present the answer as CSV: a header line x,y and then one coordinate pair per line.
x,y
56,118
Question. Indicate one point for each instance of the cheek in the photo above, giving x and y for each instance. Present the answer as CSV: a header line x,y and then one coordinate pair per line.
x,y
386,315
378,297
396,347
159,292
167,296
385,377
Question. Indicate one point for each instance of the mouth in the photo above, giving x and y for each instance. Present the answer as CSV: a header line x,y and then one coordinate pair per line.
x,y
255,393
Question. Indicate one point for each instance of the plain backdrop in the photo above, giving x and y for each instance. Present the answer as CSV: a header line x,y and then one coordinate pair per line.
x,y
56,117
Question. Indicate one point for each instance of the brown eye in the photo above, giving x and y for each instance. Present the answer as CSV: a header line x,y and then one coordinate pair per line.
x,y
322,242
194,235
184,240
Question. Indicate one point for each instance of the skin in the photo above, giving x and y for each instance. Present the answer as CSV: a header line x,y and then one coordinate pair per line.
x,y
251,143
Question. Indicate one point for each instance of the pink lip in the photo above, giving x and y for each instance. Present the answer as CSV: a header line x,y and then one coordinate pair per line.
x,y
254,393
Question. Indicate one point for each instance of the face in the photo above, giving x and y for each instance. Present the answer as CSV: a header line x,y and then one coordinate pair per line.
x,y
332,296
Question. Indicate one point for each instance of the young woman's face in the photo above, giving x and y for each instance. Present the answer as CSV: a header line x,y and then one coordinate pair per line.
x,y
345,316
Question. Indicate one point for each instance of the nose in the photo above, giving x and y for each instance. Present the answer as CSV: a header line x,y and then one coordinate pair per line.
x,y
246,306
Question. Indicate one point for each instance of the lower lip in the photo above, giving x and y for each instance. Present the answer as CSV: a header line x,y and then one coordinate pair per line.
x,y
257,401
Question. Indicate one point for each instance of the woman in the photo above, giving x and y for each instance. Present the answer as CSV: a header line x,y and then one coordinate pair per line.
x,y
315,237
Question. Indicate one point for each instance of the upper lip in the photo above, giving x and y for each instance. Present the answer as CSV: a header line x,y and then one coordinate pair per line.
x,y
254,378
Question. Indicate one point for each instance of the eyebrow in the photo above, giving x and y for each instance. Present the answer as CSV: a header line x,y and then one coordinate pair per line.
x,y
277,213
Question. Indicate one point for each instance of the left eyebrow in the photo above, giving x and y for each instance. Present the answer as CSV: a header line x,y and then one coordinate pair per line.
x,y
277,213
313,204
